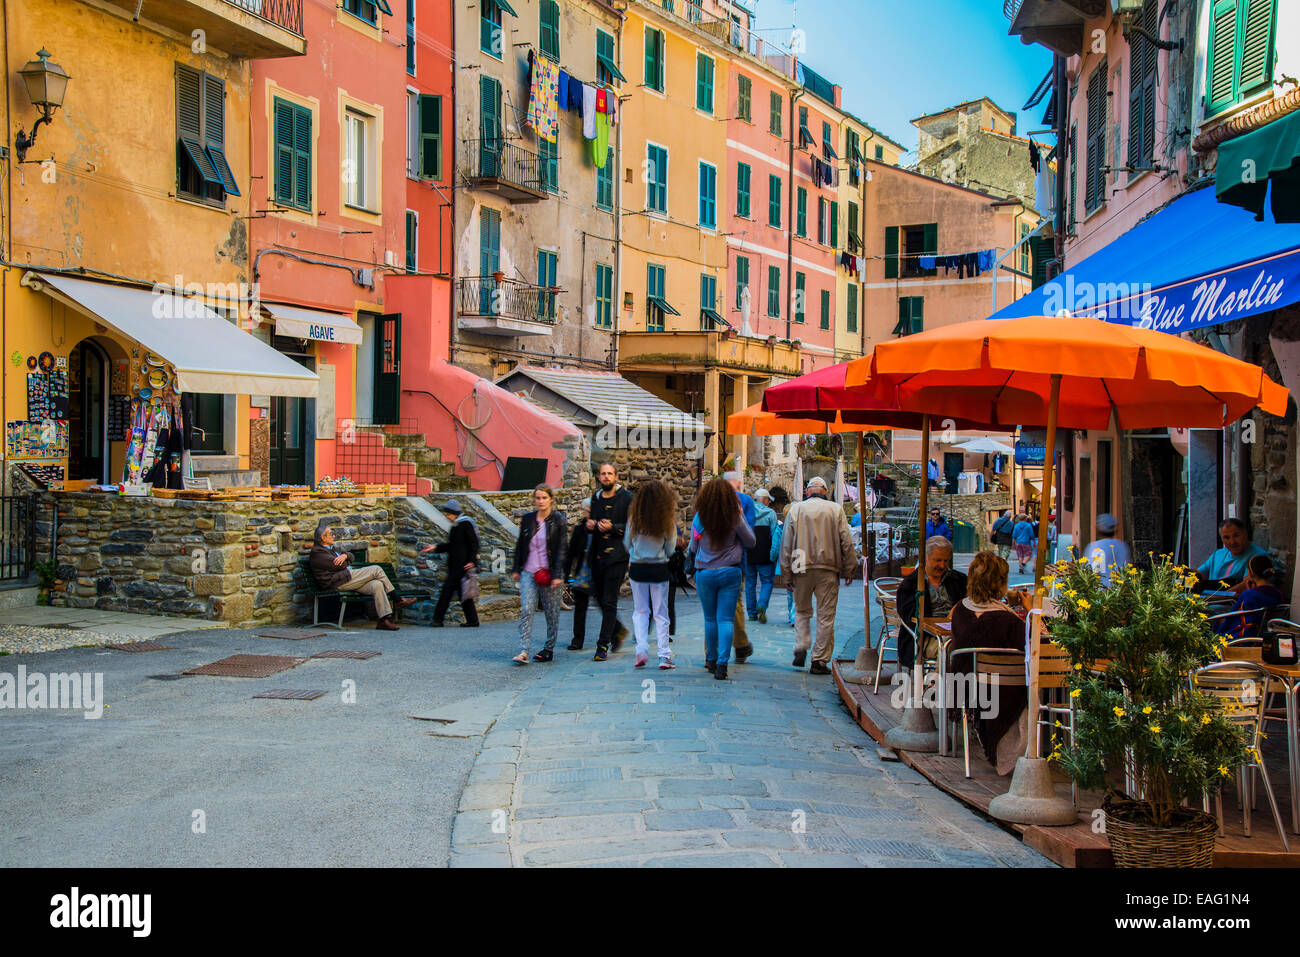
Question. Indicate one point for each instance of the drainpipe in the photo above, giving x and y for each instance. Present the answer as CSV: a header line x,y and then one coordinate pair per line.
x,y
616,306
1062,160
789,219
451,284
7,240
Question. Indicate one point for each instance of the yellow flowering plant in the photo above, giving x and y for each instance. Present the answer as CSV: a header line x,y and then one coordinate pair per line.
x,y
1136,715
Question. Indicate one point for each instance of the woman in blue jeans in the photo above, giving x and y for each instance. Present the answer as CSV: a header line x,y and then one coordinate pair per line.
x,y
719,550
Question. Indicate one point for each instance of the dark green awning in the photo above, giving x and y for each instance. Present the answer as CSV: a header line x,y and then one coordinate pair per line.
x,y
609,66
506,7
711,316
383,7
1247,164
661,304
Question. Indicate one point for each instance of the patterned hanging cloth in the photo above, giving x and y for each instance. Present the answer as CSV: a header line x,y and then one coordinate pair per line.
x,y
543,98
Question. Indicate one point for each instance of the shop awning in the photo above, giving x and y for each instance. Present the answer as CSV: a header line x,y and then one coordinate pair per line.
x,y
1196,263
313,324
1248,164
209,353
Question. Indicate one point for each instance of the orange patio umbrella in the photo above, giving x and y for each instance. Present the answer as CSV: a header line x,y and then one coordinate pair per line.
x,y
1072,373
754,421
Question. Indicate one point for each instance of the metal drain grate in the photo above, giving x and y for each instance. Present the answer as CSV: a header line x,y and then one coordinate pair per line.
x,y
247,666
290,634
358,655
140,646
291,694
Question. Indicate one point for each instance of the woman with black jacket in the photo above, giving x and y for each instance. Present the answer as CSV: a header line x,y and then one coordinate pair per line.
x,y
539,568
579,583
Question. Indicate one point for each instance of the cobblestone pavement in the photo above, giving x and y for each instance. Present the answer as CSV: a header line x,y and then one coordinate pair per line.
x,y
603,764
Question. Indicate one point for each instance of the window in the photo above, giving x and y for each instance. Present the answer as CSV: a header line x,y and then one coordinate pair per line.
x,y
293,146
548,155
805,135
708,195
826,309
851,299
774,201
855,228
489,124
410,37
1025,265
828,147
704,83
744,96
709,317
656,184
412,241
742,190
604,296
774,291
489,28
359,167
835,226
800,295
911,315
654,59
654,292
1240,55
489,259
921,240
605,182
548,28
202,172
742,281
821,220
853,146
365,10
880,152
774,124
1094,184
606,69
546,268
1142,92
801,212
1074,170
424,136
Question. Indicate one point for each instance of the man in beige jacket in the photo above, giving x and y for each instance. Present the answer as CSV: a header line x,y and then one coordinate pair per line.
x,y
816,551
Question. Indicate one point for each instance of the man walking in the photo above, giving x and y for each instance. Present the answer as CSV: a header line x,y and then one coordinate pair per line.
x,y
461,549
608,556
1001,533
329,566
816,550
758,584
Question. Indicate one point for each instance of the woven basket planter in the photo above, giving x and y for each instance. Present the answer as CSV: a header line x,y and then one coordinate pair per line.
x,y
1188,842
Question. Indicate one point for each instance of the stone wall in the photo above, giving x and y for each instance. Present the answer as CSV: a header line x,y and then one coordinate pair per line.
x,y
227,561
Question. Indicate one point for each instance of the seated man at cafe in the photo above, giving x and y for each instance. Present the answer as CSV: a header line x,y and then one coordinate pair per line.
x,y
329,566
944,588
1228,564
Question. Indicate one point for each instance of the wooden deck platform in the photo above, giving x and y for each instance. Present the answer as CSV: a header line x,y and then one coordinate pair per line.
x,y
1077,845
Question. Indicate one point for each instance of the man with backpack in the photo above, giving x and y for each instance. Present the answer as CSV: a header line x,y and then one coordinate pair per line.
x,y
758,586
1000,535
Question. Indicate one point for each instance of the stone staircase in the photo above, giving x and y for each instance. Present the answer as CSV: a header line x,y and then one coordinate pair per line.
x,y
381,455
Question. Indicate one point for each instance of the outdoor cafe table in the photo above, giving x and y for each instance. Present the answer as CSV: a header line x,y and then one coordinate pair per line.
x,y
1289,676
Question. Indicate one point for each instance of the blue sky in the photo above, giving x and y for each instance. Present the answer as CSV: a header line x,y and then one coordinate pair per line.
x,y
898,59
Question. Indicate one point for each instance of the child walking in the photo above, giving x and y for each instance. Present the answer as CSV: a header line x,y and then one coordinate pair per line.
x,y
651,539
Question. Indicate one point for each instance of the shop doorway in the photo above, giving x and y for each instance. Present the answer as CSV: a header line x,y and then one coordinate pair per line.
x,y
89,371
291,428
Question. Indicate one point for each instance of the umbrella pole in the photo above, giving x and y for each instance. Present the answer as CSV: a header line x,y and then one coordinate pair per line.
x,y
863,669
1049,459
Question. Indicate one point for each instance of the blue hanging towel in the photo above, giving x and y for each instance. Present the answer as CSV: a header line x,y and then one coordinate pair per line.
x,y
562,91
927,262
986,259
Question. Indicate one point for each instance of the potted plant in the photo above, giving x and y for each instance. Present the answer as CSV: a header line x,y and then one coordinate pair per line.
x,y
499,275
46,576
1136,718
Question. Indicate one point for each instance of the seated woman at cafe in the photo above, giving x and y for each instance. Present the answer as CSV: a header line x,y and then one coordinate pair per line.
x,y
983,620
1228,564
1246,619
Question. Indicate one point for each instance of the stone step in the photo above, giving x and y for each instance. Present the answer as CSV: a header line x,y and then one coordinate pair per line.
x,y
402,441
215,463
421,456
435,470
450,483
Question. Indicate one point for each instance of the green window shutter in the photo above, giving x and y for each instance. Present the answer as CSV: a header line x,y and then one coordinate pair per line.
x,y
302,149
489,242
1257,30
546,263
800,296
744,94
742,189
821,220
605,182
283,187
835,225
911,316
708,196
412,255
1074,176
774,201
852,300
189,117
1095,180
891,252
774,291
430,111
654,59
704,83
826,309
742,279
774,123
604,295
549,28
801,212
1220,84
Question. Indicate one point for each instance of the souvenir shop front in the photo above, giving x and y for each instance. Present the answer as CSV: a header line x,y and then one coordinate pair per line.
x,y
106,382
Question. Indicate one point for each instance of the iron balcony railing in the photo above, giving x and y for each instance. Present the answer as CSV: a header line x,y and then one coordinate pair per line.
x,y
494,157
1010,8
283,13
505,299
729,31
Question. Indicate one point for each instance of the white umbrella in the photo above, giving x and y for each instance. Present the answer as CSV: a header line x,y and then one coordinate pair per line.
x,y
840,491
985,445
796,494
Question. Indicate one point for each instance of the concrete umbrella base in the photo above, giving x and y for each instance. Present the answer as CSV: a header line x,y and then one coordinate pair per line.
x,y
916,732
863,669
1032,798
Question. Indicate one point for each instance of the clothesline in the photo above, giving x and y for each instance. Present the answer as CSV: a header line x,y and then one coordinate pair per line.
x,y
551,88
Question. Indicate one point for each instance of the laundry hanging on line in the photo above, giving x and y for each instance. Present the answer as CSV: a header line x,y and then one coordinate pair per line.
x,y
543,97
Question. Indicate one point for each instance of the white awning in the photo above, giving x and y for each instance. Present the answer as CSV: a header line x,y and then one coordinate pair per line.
x,y
313,324
209,353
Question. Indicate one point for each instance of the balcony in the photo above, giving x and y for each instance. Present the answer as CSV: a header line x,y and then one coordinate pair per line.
x,y
504,307
727,31
512,172
1055,24
687,351
252,29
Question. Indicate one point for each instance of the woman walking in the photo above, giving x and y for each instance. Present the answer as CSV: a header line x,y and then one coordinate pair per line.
x,y
1023,535
718,551
539,569
651,539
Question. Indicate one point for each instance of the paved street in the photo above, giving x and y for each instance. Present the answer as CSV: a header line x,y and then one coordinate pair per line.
x,y
590,763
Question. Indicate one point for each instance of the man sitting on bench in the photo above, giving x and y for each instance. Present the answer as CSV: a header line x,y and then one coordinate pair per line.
x,y
329,567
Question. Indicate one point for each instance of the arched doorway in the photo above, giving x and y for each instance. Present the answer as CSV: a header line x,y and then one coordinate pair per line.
x,y
89,375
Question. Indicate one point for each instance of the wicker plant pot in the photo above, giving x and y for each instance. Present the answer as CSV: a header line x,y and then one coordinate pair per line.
x,y
1188,842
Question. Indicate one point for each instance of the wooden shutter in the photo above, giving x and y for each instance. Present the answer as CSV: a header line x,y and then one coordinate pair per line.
x,y
1256,46
826,309
1074,176
774,115
1220,84
549,28
214,112
283,152
412,256
744,92
852,299
302,146
430,108
800,296
835,225
891,252
1142,92
1095,181
189,118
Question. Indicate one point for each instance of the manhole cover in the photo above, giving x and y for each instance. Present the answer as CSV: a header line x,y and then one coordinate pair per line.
x,y
166,677
290,634
247,666
290,694
140,646
359,655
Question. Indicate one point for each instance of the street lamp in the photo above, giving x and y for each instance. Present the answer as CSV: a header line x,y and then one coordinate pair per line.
x,y
46,84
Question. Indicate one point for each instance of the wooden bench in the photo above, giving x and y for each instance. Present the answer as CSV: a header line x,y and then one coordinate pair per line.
x,y
351,597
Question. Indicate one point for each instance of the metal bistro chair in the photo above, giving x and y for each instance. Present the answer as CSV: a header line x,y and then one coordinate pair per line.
x,y
1228,682
1255,620
1053,667
999,667
890,623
